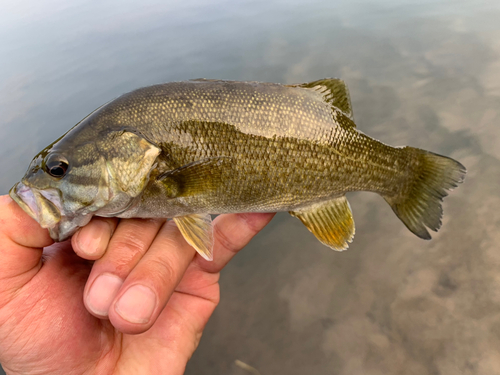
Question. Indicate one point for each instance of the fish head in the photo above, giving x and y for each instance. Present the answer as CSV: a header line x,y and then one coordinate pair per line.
x,y
70,181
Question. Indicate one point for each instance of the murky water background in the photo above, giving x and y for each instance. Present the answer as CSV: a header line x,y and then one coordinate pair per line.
x,y
422,73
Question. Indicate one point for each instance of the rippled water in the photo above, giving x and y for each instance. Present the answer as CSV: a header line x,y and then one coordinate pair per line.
x,y
422,73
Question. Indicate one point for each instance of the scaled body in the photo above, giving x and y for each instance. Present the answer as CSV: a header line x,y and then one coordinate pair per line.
x,y
188,149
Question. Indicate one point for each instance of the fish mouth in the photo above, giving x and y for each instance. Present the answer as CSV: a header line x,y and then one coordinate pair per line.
x,y
42,205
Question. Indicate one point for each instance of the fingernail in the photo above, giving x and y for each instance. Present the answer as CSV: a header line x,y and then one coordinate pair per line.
x,y
90,237
137,304
102,292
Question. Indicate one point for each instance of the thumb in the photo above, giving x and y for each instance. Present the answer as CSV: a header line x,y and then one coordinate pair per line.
x,y
21,244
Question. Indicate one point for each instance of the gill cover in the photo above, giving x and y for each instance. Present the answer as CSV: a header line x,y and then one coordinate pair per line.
x,y
129,159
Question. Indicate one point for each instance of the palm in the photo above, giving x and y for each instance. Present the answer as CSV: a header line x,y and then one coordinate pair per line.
x,y
63,321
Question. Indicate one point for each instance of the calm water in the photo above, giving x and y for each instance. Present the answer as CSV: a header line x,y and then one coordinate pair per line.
x,y
423,73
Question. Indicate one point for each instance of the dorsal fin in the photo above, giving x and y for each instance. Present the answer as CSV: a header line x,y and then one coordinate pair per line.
x,y
205,80
335,92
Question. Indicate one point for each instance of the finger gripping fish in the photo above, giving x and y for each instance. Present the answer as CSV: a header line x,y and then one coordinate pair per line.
x,y
185,150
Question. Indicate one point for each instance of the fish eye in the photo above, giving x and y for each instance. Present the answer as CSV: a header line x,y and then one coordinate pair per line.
x,y
56,165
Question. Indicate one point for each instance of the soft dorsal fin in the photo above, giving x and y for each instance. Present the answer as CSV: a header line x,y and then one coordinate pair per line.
x,y
198,232
331,222
335,92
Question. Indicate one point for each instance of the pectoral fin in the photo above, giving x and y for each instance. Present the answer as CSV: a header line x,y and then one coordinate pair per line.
x,y
195,178
198,232
331,222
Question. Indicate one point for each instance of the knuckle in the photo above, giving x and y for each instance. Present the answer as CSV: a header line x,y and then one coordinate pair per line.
x,y
253,222
112,224
128,243
164,269
214,294
224,241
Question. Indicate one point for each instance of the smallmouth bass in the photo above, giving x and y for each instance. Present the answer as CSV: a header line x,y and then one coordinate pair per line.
x,y
185,150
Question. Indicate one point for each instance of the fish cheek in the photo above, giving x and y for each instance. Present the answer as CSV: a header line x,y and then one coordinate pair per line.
x,y
76,196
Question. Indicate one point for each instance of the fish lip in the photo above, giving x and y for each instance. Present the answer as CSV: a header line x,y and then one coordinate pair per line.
x,y
15,192
42,205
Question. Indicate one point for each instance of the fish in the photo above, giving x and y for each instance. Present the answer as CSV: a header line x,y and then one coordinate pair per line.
x,y
192,149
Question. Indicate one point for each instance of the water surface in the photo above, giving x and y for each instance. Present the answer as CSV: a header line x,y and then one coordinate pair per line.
x,y
421,73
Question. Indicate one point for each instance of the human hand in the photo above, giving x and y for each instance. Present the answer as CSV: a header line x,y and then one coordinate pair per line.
x,y
145,316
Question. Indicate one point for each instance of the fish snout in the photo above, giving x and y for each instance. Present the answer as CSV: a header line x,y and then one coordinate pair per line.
x,y
42,205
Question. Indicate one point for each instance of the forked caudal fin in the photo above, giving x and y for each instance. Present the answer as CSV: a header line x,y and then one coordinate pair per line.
x,y
419,203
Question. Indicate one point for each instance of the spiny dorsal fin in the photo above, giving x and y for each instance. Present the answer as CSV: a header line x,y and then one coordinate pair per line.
x,y
194,178
205,80
198,232
335,92
331,222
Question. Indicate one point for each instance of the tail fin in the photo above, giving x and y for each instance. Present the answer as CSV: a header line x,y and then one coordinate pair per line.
x,y
419,204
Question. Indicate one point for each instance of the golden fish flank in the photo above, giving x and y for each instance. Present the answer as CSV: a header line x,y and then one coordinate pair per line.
x,y
185,150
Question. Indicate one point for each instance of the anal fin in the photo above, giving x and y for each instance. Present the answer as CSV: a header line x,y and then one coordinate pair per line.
x,y
331,222
198,232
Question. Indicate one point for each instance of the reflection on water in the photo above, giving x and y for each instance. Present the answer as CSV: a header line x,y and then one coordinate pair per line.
x,y
425,74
